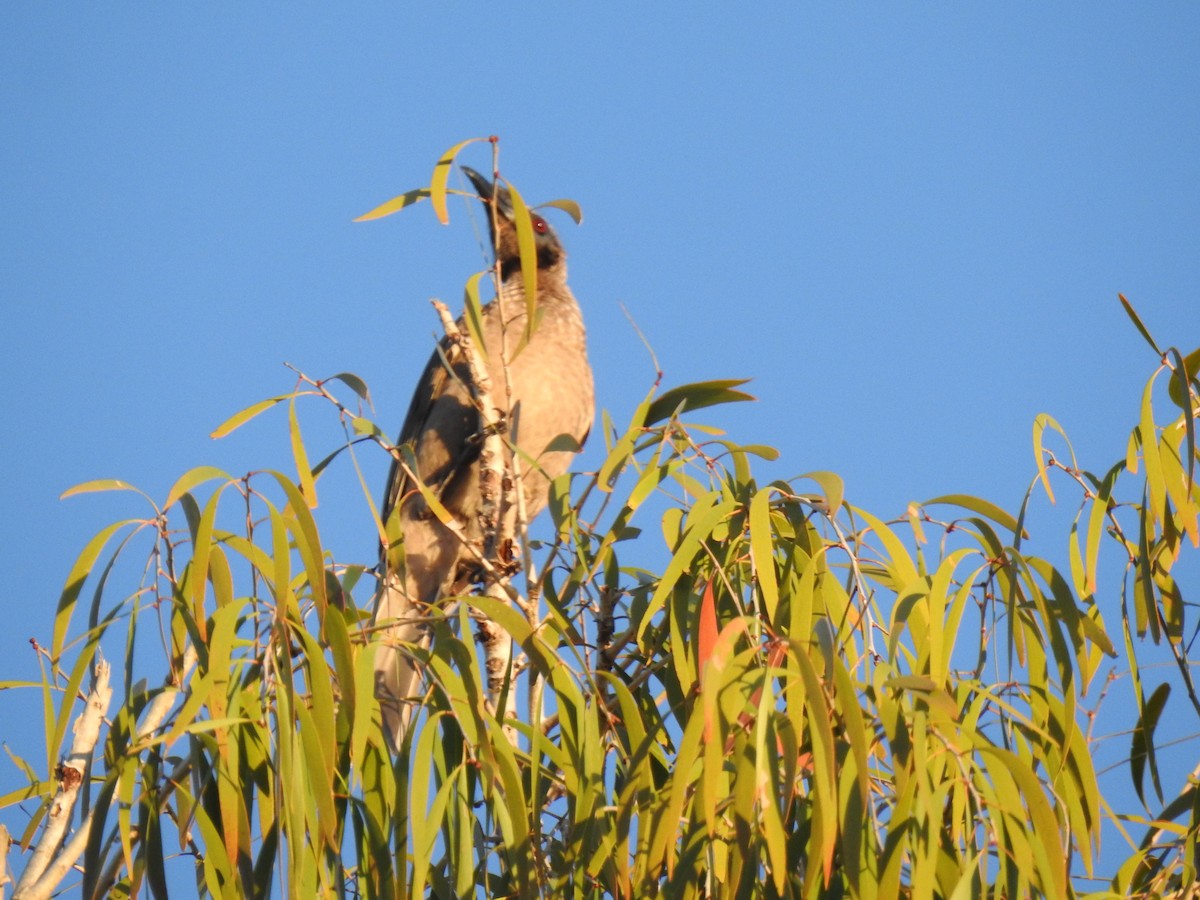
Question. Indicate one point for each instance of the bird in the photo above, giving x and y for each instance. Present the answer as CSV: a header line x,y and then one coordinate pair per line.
x,y
548,385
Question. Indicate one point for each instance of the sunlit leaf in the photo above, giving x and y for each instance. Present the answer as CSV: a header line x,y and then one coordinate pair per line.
x,y
980,506
190,480
1179,387
441,175
100,484
570,207
832,487
408,198
762,543
527,246
241,418
691,397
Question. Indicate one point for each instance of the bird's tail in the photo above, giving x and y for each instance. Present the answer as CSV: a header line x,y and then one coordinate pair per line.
x,y
397,674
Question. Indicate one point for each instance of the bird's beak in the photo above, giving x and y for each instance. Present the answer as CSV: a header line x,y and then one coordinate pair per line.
x,y
487,192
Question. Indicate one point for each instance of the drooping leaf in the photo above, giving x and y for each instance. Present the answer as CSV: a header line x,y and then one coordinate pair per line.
x,y
191,479
1142,755
570,207
1180,390
441,174
355,384
1185,378
978,505
527,246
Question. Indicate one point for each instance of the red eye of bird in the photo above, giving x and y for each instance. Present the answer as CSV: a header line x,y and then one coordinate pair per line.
x,y
539,225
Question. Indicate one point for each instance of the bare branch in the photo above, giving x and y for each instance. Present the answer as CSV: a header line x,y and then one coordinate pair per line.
x,y
45,871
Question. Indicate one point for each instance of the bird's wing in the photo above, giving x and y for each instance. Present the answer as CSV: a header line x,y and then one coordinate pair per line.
x,y
440,428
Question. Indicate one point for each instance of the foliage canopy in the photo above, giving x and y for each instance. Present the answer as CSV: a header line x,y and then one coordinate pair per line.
x,y
805,699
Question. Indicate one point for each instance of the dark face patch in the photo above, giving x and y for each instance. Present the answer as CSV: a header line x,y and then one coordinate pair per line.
x,y
549,250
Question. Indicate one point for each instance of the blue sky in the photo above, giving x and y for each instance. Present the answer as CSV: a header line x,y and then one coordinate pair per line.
x,y
907,223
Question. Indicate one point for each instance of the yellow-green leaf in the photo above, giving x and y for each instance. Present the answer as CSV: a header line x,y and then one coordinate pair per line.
x,y
239,419
570,207
408,198
100,484
308,487
527,245
190,480
441,174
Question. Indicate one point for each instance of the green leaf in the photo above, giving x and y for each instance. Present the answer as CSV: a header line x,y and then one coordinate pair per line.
x,y
1095,527
1148,440
981,506
623,449
1181,378
313,741
698,395
832,487
355,384
1187,374
1133,316
79,573
365,427
425,820
408,198
762,545
1141,751
698,531
901,566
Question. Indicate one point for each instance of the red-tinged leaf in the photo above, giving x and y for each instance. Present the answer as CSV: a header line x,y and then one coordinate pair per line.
x,y
1133,316
237,420
706,633
408,198
441,174
722,650
570,207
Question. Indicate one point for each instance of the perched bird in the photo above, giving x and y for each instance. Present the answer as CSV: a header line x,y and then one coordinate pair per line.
x,y
546,396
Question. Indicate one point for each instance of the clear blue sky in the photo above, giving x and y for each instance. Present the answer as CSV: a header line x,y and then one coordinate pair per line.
x,y
908,223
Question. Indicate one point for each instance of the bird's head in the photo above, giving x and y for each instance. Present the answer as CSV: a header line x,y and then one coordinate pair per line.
x,y
504,233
